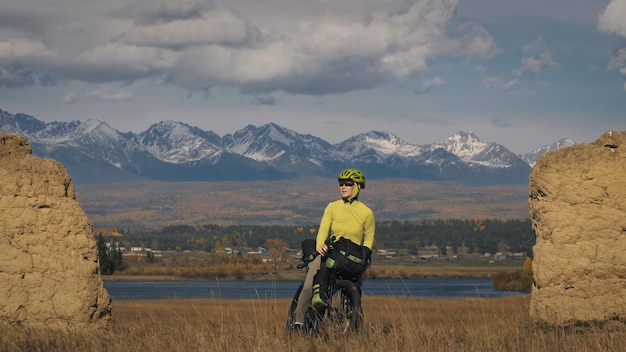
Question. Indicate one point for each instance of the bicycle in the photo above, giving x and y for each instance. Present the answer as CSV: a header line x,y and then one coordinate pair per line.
x,y
344,311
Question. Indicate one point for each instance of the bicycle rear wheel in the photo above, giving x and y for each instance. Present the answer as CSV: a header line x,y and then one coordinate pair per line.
x,y
344,310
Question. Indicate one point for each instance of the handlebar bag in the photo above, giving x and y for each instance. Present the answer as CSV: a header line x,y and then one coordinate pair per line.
x,y
346,259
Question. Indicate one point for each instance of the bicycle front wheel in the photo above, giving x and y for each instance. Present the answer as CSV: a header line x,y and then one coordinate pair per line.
x,y
345,309
311,318
291,315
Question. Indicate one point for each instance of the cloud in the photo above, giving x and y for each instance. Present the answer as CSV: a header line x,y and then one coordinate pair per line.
x,y
165,11
611,21
474,41
500,122
494,82
18,59
317,48
261,99
24,50
618,61
437,81
534,46
209,28
110,96
427,84
530,66
70,98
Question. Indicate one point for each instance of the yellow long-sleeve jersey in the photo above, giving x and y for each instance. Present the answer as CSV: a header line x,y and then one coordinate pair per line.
x,y
352,220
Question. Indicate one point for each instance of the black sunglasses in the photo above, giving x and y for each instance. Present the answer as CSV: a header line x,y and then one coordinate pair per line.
x,y
346,183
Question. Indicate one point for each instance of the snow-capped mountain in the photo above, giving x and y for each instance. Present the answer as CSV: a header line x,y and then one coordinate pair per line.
x,y
93,152
467,146
175,142
532,157
278,146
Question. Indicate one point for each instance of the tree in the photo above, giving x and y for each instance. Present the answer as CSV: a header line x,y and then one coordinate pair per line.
x,y
526,280
109,257
277,247
518,280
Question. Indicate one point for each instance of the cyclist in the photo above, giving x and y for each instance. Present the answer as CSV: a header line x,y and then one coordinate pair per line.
x,y
352,224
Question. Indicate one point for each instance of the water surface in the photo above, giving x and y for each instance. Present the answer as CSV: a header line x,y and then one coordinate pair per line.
x,y
266,289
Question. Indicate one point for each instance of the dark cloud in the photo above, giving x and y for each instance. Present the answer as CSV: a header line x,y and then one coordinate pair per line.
x,y
197,44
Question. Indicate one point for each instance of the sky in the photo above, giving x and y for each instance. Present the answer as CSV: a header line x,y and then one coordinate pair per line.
x,y
519,73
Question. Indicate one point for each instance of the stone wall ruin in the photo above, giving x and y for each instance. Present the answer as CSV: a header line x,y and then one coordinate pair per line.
x,y
577,205
49,271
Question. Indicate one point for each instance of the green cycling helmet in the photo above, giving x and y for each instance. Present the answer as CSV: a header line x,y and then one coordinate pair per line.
x,y
353,174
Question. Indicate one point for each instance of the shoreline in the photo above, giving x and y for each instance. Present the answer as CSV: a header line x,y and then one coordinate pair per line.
x,y
267,278
379,271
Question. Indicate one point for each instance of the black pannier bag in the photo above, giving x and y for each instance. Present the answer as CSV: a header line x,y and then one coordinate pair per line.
x,y
346,259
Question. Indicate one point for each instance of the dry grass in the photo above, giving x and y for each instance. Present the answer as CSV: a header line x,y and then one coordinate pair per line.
x,y
392,324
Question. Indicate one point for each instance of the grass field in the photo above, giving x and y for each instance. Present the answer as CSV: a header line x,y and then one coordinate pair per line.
x,y
391,324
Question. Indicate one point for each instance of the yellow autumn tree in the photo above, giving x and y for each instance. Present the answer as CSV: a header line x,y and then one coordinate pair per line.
x,y
276,247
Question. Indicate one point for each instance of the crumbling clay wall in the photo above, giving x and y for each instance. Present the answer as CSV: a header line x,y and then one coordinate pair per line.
x,y
577,200
49,271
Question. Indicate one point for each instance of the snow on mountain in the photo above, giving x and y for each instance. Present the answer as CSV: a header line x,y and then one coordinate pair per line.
x,y
266,143
271,143
33,129
463,144
95,131
178,143
25,124
532,157
383,143
177,151
467,146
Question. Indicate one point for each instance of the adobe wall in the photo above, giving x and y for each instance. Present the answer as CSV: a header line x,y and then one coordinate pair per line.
x,y
49,271
577,204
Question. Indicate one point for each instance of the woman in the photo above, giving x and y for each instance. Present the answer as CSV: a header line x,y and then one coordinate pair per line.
x,y
352,224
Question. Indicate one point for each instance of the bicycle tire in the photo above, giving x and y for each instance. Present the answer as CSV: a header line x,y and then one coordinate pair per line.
x,y
312,319
345,310
291,315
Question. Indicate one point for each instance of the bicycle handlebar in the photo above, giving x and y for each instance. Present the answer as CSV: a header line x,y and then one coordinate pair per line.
x,y
329,241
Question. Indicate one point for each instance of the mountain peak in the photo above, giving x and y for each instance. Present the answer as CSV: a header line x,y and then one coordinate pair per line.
x,y
532,157
464,144
465,137
91,125
172,150
466,134
382,143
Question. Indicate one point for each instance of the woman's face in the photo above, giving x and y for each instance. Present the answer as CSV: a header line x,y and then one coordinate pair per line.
x,y
345,188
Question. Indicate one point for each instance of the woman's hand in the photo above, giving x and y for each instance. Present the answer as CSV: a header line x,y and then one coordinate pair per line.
x,y
322,249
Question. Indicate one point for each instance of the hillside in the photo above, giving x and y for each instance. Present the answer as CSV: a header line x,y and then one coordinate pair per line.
x,y
153,205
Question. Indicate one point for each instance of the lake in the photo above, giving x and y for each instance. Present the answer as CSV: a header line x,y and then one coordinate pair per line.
x,y
267,289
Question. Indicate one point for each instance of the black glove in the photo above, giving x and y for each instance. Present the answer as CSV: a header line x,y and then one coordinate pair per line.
x,y
367,256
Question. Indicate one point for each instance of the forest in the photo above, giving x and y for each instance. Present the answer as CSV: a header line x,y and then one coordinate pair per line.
x,y
474,236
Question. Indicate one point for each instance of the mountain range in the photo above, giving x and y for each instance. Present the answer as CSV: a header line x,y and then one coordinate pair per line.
x,y
93,153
